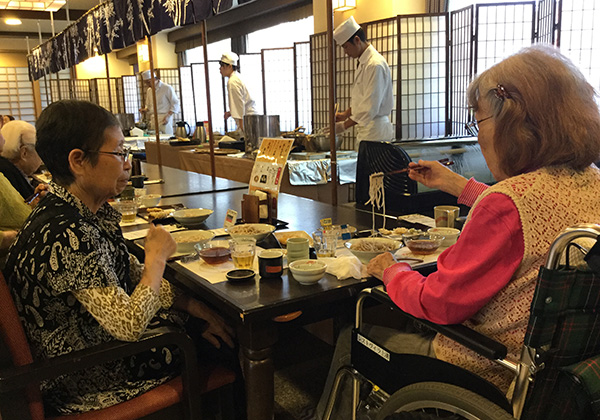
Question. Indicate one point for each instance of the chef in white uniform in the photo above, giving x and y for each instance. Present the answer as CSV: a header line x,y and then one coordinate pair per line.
x,y
371,98
167,103
240,101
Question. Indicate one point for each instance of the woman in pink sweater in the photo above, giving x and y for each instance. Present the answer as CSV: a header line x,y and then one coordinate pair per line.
x,y
538,127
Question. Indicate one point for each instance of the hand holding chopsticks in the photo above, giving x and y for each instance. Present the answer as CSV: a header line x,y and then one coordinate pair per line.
x,y
444,162
40,192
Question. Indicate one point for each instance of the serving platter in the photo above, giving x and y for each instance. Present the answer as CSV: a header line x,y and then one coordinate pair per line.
x,y
147,213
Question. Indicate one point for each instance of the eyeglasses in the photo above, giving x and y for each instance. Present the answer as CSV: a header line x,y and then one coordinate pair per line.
x,y
472,127
500,93
124,154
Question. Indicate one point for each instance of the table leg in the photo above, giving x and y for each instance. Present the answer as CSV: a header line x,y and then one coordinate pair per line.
x,y
259,374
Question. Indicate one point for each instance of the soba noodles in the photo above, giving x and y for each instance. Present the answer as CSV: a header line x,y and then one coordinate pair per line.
x,y
373,246
376,195
245,230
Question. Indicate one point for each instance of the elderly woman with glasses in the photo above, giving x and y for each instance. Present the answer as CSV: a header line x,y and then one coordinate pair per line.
x,y
73,280
538,126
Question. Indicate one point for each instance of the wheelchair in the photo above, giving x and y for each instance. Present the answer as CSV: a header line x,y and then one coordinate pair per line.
x,y
556,377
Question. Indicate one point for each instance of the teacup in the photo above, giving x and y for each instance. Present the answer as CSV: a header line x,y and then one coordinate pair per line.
x,y
270,263
297,249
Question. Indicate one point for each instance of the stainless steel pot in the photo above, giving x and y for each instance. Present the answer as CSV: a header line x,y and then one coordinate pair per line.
x,y
321,143
258,126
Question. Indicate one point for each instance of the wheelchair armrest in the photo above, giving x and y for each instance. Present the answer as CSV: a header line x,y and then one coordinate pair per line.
x,y
462,334
20,376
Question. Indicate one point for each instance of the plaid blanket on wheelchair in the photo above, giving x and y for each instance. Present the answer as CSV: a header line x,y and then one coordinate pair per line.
x,y
564,326
587,375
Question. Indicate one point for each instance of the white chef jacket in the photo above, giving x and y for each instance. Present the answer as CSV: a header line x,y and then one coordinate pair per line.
x,y
166,100
240,101
371,97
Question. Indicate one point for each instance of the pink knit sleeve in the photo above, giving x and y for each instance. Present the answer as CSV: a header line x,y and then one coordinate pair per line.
x,y
471,272
472,190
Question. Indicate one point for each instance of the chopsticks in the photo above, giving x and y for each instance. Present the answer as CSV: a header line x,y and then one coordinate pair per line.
x,y
445,162
30,199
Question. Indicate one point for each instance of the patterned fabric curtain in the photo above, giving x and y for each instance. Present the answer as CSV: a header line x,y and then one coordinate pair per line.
x,y
113,25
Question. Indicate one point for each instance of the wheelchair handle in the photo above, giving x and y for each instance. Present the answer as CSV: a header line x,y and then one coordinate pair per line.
x,y
562,240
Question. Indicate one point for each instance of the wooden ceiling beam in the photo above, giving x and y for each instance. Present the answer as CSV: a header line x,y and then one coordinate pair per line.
x,y
33,36
61,14
127,52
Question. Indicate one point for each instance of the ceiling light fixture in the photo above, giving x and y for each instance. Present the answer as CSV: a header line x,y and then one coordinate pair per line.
x,y
12,21
39,5
343,5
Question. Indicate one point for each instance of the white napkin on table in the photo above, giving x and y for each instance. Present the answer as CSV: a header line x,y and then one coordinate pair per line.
x,y
345,267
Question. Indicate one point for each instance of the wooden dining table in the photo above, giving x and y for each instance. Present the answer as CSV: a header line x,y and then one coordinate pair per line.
x,y
251,307
175,182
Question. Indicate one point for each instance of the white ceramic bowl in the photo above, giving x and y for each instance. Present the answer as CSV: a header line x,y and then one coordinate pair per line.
x,y
450,234
192,217
150,200
308,271
258,231
380,245
186,239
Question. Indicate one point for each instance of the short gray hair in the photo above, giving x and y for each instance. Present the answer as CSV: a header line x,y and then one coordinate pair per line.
x,y
16,134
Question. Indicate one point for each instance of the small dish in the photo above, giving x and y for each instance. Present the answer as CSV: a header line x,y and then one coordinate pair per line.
x,y
150,200
192,217
240,275
186,239
423,243
283,236
308,271
365,249
213,252
450,234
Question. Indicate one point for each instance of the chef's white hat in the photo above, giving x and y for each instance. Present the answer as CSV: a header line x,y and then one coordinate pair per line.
x,y
344,32
146,75
230,58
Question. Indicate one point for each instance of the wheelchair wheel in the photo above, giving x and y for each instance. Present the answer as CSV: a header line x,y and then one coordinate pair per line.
x,y
441,400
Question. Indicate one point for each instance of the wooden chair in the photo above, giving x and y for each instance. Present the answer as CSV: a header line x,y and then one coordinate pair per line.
x,y
26,374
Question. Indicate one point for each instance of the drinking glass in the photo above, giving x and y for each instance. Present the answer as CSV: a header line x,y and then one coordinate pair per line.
x,y
128,210
325,243
242,252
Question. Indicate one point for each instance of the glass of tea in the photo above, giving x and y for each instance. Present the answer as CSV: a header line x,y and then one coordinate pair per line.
x,y
128,210
242,252
213,252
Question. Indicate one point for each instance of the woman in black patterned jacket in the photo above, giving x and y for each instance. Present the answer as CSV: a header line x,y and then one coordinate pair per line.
x,y
73,280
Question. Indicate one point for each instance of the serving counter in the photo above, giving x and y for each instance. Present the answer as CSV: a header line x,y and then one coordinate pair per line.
x,y
309,175
169,154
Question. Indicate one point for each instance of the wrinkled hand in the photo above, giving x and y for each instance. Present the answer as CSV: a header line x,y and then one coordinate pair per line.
x,y
41,190
435,175
377,265
216,326
7,238
159,243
